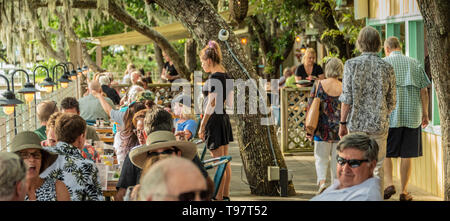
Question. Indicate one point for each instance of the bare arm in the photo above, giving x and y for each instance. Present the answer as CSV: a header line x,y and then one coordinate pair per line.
x,y
62,193
424,98
345,109
106,107
208,112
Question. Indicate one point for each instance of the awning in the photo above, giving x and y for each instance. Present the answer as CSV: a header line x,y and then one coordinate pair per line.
x,y
172,32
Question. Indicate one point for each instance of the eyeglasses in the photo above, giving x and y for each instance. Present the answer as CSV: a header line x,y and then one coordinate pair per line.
x,y
168,152
26,155
353,163
190,196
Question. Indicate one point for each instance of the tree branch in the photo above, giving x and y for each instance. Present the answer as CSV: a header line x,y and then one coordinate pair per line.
x,y
121,15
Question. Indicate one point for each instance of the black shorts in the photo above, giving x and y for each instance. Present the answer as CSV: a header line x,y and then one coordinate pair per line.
x,y
404,142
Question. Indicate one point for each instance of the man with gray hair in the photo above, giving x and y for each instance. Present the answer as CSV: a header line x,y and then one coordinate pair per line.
x,y
368,94
410,113
356,161
90,107
173,179
12,177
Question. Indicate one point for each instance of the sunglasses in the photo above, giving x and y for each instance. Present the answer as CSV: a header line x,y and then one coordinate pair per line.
x,y
352,162
190,196
168,152
35,155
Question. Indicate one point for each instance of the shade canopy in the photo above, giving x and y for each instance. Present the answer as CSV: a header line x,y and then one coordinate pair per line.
x,y
172,32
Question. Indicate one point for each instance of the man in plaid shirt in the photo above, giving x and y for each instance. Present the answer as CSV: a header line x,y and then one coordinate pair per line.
x,y
411,112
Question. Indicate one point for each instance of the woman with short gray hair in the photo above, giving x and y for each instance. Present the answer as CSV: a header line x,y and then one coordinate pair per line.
x,y
12,174
326,134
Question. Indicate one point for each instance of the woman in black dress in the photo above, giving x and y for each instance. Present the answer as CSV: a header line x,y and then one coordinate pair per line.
x,y
309,70
215,128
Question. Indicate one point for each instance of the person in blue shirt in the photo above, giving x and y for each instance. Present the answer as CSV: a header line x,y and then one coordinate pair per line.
x,y
185,126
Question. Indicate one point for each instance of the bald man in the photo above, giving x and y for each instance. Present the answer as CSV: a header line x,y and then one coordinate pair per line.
x,y
90,107
173,179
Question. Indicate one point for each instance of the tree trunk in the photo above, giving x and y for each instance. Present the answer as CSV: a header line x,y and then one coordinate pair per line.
x,y
205,23
437,24
337,44
190,55
159,59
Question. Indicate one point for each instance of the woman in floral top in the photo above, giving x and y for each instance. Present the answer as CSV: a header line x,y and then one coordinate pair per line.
x,y
26,144
326,135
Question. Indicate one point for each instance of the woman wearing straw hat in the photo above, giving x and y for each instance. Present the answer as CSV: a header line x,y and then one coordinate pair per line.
x,y
161,143
28,146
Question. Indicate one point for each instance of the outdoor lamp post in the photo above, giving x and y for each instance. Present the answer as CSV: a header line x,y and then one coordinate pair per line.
x,y
48,82
73,73
64,78
79,71
9,101
28,90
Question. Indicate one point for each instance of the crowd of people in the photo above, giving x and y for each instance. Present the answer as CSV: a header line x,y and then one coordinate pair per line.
x,y
374,114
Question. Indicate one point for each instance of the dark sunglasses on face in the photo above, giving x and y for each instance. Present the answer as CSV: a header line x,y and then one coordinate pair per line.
x,y
168,151
353,163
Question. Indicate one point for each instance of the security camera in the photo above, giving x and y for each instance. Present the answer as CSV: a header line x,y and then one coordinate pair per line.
x,y
223,35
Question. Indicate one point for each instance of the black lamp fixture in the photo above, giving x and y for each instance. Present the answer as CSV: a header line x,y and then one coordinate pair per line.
x,y
9,101
303,49
28,89
73,73
48,81
64,78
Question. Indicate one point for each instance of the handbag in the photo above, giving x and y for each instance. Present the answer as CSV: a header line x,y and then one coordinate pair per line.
x,y
312,116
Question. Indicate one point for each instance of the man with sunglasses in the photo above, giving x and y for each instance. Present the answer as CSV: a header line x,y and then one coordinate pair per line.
x,y
356,161
173,179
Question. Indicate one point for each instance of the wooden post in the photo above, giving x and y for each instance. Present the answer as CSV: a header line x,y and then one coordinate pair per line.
x,y
98,56
3,132
284,123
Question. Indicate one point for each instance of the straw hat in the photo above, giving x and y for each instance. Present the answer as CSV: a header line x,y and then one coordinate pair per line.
x,y
29,139
158,140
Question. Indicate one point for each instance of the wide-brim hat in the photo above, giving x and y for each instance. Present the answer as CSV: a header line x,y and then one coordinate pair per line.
x,y
161,139
28,139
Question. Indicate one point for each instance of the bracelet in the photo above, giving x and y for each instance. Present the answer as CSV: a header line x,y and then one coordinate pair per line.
x,y
343,123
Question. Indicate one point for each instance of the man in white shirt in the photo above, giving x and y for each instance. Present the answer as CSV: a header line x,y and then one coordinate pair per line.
x,y
356,161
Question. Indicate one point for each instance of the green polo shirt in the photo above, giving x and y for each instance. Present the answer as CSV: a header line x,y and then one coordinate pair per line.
x,y
41,132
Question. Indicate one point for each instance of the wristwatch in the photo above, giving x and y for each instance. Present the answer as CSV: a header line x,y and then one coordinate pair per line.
x,y
343,123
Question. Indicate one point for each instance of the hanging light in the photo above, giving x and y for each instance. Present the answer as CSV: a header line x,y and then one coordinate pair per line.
x,y
303,49
9,101
244,41
8,110
73,73
297,38
64,80
48,82
28,90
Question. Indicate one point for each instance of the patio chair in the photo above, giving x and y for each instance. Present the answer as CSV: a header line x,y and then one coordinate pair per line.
x,y
221,163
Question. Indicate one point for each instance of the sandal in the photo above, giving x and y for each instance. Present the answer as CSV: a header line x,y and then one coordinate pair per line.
x,y
406,197
389,191
226,198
